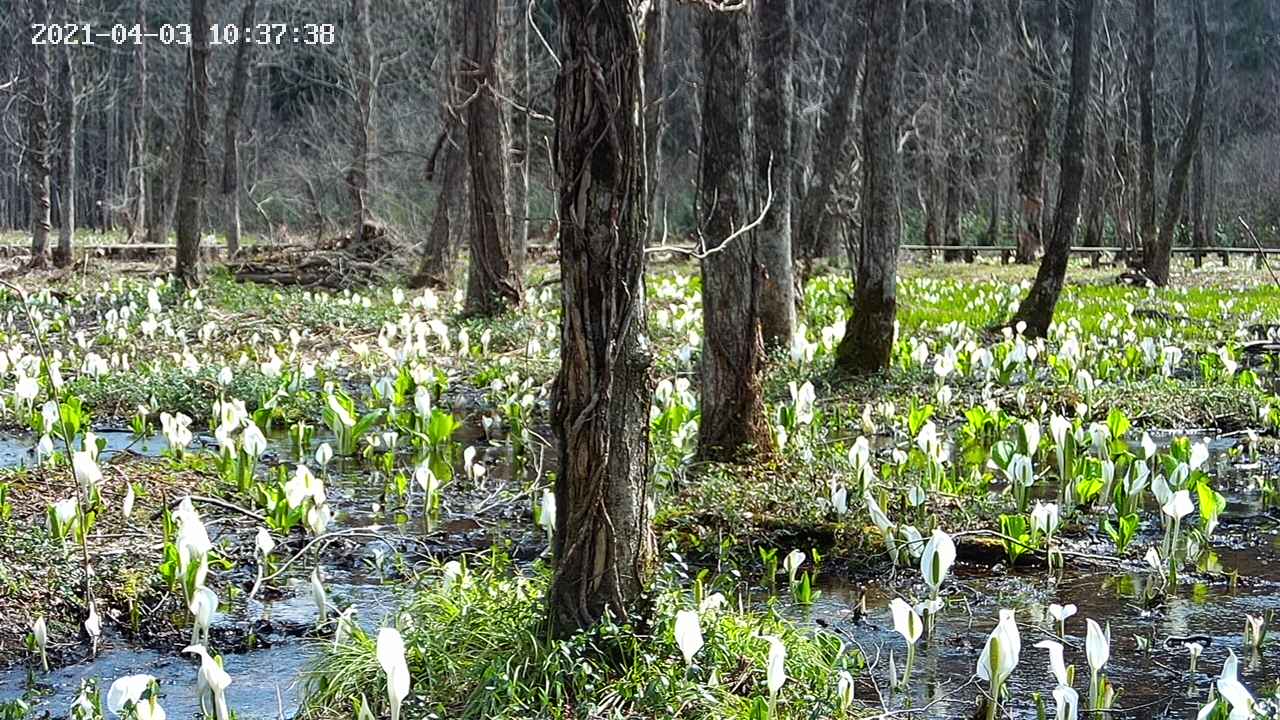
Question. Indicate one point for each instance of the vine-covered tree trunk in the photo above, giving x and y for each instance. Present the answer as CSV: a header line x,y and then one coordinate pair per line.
x,y
362,118
830,156
67,150
1146,67
493,282
195,155
867,345
775,110
733,423
1037,308
1159,250
1036,101
137,185
603,545
35,98
231,133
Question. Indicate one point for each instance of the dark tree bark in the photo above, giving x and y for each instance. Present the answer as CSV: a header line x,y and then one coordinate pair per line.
x,y
35,98
137,184
775,109
603,546
831,155
448,166
362,118
733,423
231,133
493,282
655,113
1160,248
1146,62
162,180
195,155
867,345
521,139
1037,37
69,109
1037,308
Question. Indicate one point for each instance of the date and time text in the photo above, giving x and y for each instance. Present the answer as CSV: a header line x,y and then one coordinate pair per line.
x,y
180,34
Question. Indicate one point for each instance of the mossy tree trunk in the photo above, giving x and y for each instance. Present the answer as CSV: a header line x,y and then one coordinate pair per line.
x,y
1037,308
603,545
733,424
195,154
867,345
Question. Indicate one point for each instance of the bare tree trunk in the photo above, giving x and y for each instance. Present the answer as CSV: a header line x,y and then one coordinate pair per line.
x,y
362,118
603,546
231,133
867,345
437,260
67,150
195,162
1037,101
448,162
655,113
137,185
831,156
1160,250
1037,308
162,181
493,283
733,423
775,108
1146,60
36,106
521,151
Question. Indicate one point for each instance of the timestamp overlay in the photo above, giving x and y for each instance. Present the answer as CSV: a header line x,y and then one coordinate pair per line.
x,y
180,34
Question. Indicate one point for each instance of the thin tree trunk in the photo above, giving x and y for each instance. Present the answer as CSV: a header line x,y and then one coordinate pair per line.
x,y
1037,308
733,421
1146,60
521,152
137,186
867,345
36,102
231,133
831,156
362,118
603,546
655,113
195,162
493,282
775,108
1037,101
1160,251
448,163
67,149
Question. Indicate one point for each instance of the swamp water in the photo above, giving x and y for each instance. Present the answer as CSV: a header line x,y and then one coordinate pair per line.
x,y
267,678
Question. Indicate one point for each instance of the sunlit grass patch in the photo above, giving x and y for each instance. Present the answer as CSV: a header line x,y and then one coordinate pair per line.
x,y
477,648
